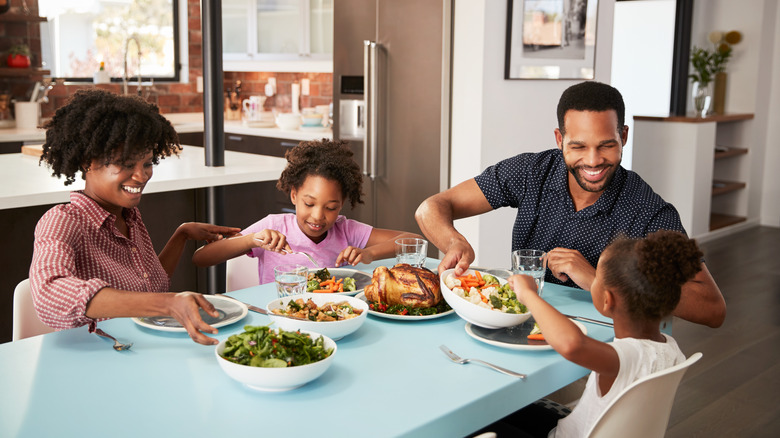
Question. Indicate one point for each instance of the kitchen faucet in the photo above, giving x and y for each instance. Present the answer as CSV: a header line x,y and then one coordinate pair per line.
x,y
124,78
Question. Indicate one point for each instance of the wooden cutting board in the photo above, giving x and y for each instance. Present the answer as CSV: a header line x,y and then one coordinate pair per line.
x,y
35,150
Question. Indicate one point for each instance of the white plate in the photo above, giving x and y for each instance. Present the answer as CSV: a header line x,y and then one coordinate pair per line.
x,y
513,338
362,279
362,296
230,311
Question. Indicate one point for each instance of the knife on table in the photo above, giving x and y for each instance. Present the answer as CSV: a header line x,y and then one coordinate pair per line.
x,y
592,321
260,310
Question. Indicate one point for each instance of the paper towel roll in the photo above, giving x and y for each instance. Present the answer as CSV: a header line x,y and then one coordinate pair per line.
x,y
296,97
28,114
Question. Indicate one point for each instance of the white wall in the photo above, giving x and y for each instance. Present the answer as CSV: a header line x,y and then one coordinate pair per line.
x,y
495,118
770,199
642,54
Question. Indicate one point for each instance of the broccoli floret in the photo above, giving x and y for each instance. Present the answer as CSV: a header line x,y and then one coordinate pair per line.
x,y
349,284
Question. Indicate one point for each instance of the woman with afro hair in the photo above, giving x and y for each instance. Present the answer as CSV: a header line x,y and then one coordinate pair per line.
x,y
93,258
320,178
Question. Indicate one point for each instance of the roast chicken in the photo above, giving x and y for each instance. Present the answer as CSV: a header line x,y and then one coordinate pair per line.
x,y
406,285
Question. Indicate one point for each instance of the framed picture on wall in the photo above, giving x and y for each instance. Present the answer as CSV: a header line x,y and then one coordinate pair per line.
x,y
551,39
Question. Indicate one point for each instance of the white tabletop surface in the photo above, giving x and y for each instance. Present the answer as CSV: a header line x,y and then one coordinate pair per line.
x,y
388,379
188,122
24,183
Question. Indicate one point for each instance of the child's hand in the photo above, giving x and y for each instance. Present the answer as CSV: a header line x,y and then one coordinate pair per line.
x,y
523,285
353,256
271,240
208,232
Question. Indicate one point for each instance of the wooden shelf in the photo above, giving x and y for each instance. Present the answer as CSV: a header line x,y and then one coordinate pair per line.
x,y
23,72
720,187
729,152
8,16
692,119
718,220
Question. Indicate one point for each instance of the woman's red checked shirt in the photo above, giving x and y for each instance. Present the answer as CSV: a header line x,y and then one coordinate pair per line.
x,y
78,251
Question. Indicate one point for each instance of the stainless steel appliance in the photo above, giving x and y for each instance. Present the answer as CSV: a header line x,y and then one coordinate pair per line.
x,y
391,87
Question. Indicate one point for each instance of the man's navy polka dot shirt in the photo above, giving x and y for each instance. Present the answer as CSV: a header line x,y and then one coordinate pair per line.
x,y
536,184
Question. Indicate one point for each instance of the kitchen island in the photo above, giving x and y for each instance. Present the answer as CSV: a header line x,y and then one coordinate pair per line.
x,y
174,195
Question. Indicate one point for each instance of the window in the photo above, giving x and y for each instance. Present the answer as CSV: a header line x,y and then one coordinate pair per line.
x,y
83,33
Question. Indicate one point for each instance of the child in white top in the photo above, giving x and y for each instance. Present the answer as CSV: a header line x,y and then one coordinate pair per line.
x,y
637,284
320,177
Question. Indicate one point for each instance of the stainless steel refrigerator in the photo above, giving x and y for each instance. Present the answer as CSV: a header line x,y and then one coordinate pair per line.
x,y
391,89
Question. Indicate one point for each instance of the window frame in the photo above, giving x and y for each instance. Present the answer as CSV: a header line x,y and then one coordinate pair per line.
x,y
178,52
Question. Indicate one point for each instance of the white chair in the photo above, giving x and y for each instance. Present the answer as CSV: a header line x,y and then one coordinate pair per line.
x,y
25,320
241,273
644,407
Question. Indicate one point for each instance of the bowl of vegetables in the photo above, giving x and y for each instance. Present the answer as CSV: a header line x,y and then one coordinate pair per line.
x,y
268,359
334,316
482,299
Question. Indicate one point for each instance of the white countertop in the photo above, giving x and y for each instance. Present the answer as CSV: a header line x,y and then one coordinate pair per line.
x,y
23,183
189,122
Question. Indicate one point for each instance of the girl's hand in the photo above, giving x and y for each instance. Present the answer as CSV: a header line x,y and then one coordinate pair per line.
x,y
524,286
184,307
272,240
208,232
352,255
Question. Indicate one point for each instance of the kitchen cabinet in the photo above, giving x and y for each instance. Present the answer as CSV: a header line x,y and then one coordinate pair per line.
x,y
699,164
277,35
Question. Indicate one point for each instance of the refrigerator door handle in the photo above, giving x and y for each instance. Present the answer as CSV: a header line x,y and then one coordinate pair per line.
x,y
366,94
370,90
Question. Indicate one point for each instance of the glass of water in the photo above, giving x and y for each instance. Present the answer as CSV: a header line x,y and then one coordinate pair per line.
x,y
411,251
290,279
532,262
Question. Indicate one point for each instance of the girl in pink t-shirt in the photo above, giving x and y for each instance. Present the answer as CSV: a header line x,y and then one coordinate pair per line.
x,y
320,177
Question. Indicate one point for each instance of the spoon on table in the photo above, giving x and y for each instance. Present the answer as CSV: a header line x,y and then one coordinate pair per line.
x,y
118,346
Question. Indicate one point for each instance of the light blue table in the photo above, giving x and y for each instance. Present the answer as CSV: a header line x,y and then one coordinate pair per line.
x,y
389,379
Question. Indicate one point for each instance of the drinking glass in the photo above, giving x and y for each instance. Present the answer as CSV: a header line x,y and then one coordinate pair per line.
x,y
531,262
411,250
290,279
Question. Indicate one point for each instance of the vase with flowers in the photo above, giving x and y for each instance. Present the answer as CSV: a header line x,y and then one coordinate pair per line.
x,y
710,66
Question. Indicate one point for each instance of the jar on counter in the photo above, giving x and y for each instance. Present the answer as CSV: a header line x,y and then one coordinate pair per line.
x,y
6,119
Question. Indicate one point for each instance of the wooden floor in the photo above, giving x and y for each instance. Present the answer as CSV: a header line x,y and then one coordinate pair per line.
x,y
734,390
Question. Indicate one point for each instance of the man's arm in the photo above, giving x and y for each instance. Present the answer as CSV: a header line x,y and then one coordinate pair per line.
x,y
701,301
435,217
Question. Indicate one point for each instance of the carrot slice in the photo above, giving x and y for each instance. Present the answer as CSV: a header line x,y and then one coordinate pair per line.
x,y
536,337
478,275
322,291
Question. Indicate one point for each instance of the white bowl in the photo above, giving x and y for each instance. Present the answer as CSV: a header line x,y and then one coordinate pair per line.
x,y
288,121
332,329
276,379
477,315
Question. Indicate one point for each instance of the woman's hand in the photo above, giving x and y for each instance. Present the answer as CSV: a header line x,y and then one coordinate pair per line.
x,y
353,256
208,232
271,240
184,306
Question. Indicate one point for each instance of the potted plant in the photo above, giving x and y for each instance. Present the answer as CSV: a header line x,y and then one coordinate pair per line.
x,y
18,56
710,65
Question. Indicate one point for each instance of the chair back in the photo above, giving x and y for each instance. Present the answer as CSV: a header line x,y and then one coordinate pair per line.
x,y
241,273
644,407
25,321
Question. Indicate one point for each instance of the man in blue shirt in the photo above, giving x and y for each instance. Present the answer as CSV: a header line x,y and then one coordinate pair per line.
x,y
571,201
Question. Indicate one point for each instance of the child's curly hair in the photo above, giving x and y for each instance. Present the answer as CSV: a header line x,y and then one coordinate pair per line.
x,y
329,159
97,125
649,273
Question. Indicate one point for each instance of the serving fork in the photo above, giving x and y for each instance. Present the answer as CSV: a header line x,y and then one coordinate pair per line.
x,y
295,252
457,359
